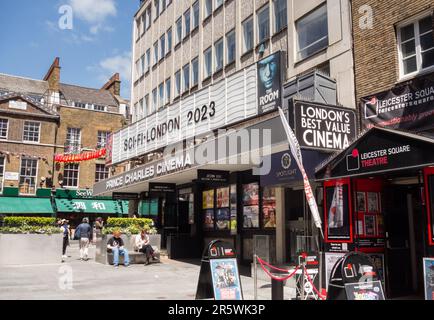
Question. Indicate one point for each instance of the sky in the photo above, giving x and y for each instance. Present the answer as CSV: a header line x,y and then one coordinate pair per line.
x,y
92,46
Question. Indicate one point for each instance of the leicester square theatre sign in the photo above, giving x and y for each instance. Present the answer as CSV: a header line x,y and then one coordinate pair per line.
x,y
232,100
409,106
323,127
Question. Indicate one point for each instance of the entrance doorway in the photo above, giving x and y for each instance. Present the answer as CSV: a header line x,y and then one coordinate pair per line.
x,y
404,217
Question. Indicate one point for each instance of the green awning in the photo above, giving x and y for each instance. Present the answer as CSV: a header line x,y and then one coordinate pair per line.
x,y
90,206
21,205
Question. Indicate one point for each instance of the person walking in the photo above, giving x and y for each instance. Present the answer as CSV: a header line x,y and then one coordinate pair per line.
x,y
65,230
85,236
116,245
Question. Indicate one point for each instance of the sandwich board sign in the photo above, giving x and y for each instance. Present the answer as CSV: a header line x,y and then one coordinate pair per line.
x,y
219,278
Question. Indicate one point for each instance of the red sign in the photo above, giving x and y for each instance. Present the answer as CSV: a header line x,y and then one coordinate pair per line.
x,y
80,157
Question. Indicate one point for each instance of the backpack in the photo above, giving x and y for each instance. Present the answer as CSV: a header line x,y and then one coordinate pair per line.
x,y
77,235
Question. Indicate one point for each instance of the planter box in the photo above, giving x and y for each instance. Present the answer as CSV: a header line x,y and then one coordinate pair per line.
x,y
102,256
24,249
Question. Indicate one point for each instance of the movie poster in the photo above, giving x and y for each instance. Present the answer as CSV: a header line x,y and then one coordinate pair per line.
x,y
330,261
428,275
223,197
269,83
208,219
361,202
373,202
222,219
370,223
191,209
251,217
226,279
208,199
251,194
269,207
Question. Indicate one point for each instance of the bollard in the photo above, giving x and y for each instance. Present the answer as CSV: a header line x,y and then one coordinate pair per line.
x,y
255,278
276,290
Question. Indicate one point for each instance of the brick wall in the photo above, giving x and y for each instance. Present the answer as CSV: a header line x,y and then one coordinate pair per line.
x,y
376,49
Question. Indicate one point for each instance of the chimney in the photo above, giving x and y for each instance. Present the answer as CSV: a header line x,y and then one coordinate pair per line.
x,y
53,76
113,85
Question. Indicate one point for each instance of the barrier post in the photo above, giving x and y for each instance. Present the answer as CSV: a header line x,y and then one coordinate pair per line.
x,y
303,274
255,277
276,290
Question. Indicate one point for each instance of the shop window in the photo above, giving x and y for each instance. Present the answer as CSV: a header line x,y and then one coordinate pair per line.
x,y
251,206
2,171
338,215
269,207
416,46
369,217
28,172
312,31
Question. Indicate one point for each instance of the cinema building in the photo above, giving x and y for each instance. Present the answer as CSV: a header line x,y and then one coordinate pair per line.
x,y
203,67
379,192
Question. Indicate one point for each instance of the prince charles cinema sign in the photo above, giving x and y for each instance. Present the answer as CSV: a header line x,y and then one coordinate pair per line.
x,y
409,106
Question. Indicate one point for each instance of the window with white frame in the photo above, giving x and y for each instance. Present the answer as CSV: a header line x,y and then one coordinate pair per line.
x,y
248,34
186,77
142,65
138,28
169,41
28,176
4,123
2,171
143,18
230,47
147,108
70,175
148,59
162,46
178,30
83,105
102,139
416,46
97,107
161,94
136,111
155,52
155,99
195,71
312,32
178,83
187,23
101,172
218,3
73,140
280,15
218,49
168,90
148,17
196,12
207,59
263,24
31,131
208,8
157,8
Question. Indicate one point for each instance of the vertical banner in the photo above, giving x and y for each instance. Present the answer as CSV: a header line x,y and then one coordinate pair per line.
x,y
296,152
269,83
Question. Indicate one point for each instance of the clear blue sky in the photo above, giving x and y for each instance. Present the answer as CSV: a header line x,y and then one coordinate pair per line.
x,y
98,45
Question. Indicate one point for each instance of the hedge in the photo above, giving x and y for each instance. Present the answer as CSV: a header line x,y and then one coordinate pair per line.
x,y
129,226
29,225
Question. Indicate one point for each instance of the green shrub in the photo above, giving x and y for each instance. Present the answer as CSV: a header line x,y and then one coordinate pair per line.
x,y
129,226
29,225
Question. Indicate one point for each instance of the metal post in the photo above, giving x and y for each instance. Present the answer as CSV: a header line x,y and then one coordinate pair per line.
x,y
255,277
302,281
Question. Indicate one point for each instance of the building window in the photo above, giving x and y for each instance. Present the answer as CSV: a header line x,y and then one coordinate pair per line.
x,y
416,46
99,108
195,15
169,41
178,83
155,52
230,47
312,31
195,71
186,77
178,30
207,58
248,34
138,28
136,111
146,106
73,140
148,59
148,17
187,23
162,46
168,90
28,173
280,15
82,105
161,94
208,8
2,171
31,131
4,128
142,65
218,48
154,99
218,3
263,24
70,175
101,172
157,8
102,139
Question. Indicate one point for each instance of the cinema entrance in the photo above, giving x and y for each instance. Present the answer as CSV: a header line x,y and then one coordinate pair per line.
x,y
378,200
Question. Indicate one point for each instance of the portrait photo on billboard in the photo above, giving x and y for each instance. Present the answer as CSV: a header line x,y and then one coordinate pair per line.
x,y
269,83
